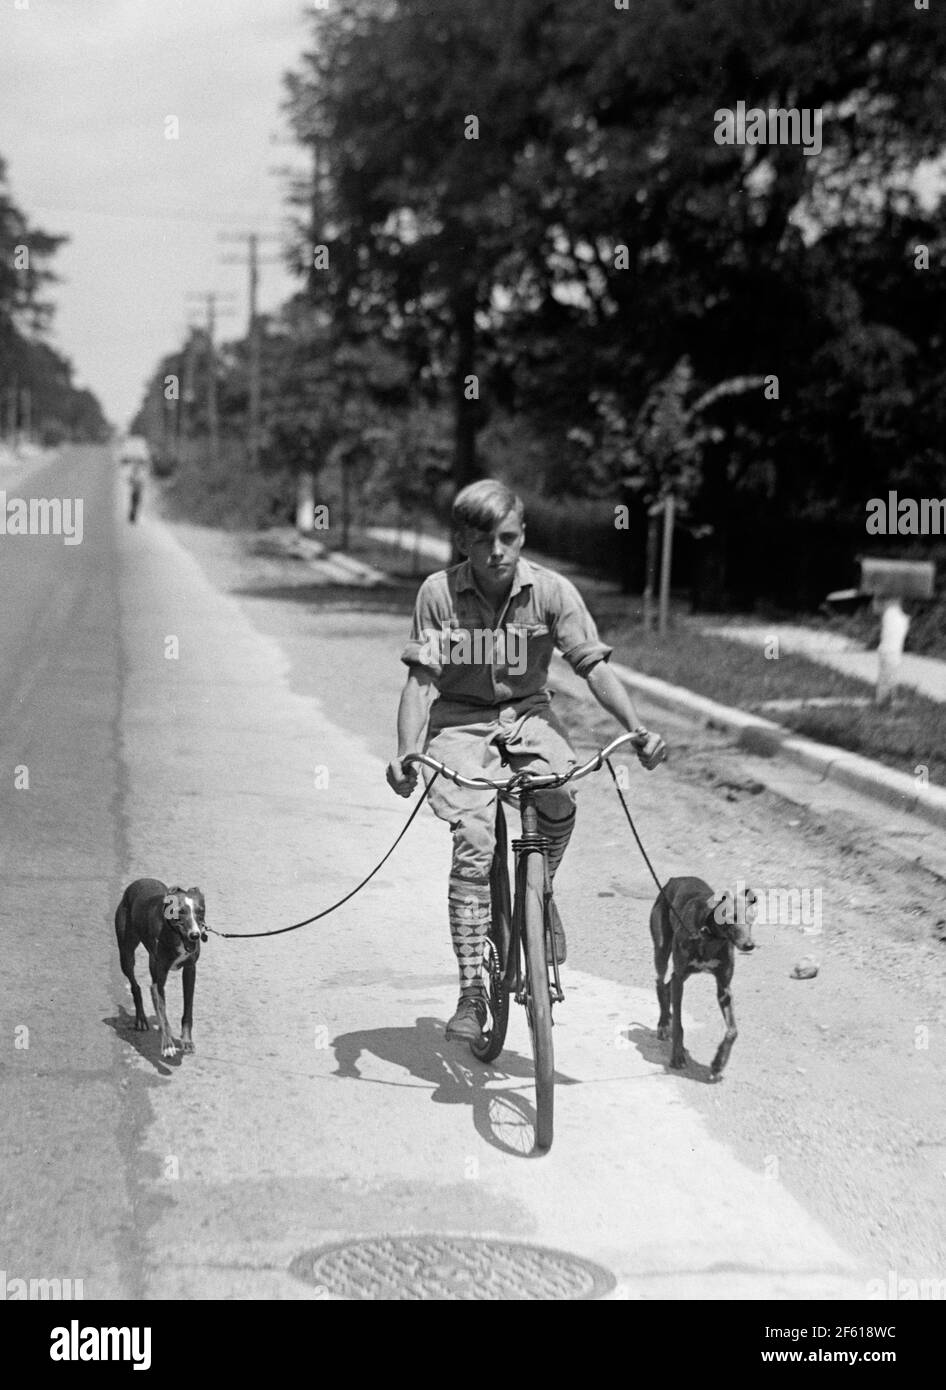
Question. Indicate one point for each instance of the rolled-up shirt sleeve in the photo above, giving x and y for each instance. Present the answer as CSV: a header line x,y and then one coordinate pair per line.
x,y
574,631
424,645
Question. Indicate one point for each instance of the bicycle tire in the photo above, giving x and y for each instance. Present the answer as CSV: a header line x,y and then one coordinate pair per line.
x,y
494,964
538,998
494,1034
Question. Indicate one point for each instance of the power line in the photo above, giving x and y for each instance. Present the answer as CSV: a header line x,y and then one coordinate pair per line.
x,y
252,261
214,304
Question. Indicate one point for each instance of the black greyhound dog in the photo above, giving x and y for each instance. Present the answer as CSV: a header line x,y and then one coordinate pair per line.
x,y
169,923
701,930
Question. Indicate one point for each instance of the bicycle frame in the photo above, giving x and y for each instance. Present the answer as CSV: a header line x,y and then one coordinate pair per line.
x,y
530,842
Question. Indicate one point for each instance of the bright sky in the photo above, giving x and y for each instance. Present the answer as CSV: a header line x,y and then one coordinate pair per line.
x,y
86,87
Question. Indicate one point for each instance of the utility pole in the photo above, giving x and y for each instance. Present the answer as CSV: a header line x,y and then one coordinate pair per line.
x,y
169,421
187,388
252,253
309,192
317,211
211,300
650,571
665,566
213,419
253,262
12,394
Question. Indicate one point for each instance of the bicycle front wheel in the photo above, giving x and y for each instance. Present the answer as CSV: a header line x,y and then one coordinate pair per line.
x,y
538,997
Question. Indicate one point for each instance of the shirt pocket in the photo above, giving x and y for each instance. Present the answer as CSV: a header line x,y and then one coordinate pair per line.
x,y
528,647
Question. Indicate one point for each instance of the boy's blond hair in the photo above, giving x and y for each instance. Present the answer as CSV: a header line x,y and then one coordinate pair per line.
x,y
482,505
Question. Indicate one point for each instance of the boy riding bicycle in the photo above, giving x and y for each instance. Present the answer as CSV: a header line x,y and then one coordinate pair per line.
x,y
478,657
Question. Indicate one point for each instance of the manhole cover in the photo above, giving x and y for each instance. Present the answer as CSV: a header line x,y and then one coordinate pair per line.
x,y
448,1268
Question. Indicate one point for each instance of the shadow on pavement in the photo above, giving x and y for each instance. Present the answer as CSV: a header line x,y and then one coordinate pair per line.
x,y
657,1053
501,1115
147,1045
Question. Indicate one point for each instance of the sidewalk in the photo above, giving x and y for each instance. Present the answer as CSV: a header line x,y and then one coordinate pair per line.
x,y
922,673
17,464
431,547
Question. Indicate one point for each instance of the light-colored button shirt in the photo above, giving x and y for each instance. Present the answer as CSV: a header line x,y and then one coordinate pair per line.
x,y
479,659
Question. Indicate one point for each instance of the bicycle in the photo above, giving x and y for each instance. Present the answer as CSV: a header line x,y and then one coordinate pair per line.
x,y
519,956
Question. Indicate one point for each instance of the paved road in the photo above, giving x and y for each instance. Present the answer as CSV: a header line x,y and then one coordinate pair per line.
x,y
68,1201
237,741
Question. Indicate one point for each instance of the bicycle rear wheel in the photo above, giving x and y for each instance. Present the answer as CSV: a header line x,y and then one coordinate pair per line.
x,y
497,995
497,945
538,996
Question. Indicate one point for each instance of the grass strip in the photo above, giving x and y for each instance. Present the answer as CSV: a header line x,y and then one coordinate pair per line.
x,y
909,736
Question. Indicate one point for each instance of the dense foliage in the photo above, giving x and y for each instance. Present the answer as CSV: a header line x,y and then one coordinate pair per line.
x,y
36,386
527,208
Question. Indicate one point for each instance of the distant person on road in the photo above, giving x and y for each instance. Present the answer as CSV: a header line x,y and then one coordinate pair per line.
x,y
478,659
137,474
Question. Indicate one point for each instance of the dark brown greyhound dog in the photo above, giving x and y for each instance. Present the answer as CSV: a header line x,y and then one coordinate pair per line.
x,y
169,923
702,930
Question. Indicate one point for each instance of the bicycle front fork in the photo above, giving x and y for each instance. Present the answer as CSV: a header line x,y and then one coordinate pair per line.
x,y
531,842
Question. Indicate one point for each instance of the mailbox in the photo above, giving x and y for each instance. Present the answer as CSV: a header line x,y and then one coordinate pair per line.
x,y
884,579
889,581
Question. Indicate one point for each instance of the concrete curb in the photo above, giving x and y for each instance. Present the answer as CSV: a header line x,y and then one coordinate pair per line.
x,y
767,739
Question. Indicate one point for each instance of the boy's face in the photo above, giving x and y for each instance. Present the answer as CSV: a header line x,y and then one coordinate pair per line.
x,y
493,554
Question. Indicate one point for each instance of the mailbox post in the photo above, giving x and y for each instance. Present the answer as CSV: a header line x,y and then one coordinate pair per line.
x,y
889,582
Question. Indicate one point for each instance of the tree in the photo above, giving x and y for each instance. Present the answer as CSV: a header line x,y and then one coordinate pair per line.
x,y
25,252
423,110
37,380
750,258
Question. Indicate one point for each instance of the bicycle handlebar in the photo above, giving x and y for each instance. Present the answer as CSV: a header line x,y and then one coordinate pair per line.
x,y
529,779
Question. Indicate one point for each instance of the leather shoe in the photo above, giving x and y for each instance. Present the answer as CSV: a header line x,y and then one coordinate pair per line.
x,y
467,1023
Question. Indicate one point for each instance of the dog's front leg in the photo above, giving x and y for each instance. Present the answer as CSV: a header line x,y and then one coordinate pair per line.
x,y
662,948
663,1000
157,995
732,1032
188,981
678,1057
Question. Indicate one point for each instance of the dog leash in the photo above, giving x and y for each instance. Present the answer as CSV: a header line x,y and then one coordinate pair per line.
x,y
245,935
280,931
662,894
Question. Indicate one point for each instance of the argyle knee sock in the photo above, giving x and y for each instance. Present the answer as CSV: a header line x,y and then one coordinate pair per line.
x,y
558,833
469,906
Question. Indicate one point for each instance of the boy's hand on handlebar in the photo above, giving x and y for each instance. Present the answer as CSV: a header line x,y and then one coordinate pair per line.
x,y
651,749
401,779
